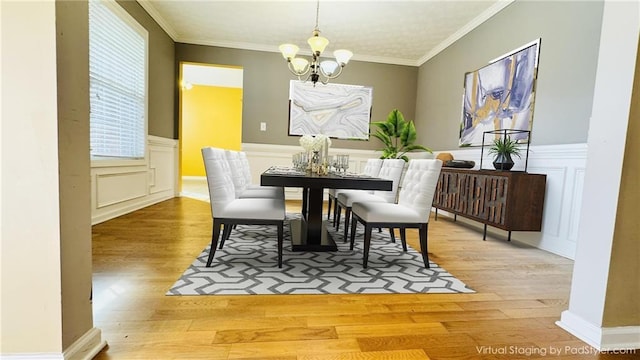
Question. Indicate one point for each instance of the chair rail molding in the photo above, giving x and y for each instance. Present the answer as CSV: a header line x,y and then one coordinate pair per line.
x,y
117,190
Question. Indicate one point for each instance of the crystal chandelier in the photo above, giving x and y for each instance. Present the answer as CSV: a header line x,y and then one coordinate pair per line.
x,y
315,70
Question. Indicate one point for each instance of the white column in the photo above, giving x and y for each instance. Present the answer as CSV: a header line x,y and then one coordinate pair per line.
x,y
606,145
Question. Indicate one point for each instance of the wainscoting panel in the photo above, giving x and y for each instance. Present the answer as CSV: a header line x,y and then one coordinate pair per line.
x,y
114,188
563,164
162,166
117,190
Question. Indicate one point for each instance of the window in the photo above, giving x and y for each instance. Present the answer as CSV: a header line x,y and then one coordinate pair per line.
x,y
117,83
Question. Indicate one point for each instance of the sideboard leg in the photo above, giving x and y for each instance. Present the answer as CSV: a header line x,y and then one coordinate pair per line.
x,y
455,217
436,216
484,233
509,236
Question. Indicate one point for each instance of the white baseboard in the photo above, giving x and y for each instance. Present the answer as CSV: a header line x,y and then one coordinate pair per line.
x,y
125,209
32,356
85,348
621,339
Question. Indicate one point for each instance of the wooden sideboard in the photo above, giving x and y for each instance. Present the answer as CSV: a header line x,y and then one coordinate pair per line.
x,y
508,200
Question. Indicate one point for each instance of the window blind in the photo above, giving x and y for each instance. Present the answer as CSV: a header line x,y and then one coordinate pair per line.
x,y
117,83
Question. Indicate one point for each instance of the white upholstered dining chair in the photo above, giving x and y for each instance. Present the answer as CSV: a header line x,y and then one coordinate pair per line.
x,y
391,169
227,210
371,168
242,184
246,172
411,211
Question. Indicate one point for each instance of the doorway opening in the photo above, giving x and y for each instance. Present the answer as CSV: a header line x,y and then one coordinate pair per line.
x,y
210,106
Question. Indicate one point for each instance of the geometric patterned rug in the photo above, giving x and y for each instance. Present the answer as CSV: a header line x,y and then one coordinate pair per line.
x,y
248,265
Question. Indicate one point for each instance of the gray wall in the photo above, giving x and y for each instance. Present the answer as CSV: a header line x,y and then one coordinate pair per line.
x,y
162,80
266,90
570,33
72,49
72,46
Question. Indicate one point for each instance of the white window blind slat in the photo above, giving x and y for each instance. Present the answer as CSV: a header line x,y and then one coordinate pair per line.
x,y
117,75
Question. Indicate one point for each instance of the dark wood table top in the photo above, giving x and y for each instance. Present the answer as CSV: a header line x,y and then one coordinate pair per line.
x,y
291,178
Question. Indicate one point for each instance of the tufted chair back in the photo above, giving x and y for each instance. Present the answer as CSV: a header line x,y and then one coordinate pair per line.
x,y
419,185
221,189
391,169
372,167
246,169
237,173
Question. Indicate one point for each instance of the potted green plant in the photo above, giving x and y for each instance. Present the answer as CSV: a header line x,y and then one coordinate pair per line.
x,y
398,136
503,148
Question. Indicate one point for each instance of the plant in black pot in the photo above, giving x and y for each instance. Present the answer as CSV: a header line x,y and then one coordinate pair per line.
x,y
503,148
398,136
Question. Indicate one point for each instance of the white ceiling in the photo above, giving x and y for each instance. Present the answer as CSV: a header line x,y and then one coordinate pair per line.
x,y
395,32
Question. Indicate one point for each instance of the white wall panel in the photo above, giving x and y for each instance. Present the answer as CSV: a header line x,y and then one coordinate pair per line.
x,y
162,165
114,188
118,190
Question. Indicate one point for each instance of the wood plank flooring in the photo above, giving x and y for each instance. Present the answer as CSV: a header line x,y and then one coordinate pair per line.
x,y
521,292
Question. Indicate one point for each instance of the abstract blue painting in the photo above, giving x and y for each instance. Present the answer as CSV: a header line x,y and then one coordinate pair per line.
x,y
500,96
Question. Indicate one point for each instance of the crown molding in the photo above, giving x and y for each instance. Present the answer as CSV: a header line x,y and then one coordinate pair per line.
x,y
274,49
477,21
164,24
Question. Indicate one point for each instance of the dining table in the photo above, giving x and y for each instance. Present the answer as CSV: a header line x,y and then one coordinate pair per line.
x,y
309,233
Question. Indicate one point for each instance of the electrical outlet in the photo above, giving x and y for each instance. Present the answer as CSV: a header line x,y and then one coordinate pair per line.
x,y
263,126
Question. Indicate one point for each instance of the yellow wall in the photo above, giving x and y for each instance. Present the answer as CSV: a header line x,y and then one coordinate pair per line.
x,y
211,116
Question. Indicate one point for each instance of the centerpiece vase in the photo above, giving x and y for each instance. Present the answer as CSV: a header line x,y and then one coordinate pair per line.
x,y
315,161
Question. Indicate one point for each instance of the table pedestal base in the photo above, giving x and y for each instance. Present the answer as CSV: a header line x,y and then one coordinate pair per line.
x,y
300,240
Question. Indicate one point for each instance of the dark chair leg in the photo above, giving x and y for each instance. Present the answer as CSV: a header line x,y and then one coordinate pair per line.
x,y
423,244
347,218
367,244
392,234
354,224
403,238
380,230
335,210
280,242
329,207
226,233
336,217
214,241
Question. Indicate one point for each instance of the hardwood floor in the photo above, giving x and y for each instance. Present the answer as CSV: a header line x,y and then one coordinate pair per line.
x,y
521,292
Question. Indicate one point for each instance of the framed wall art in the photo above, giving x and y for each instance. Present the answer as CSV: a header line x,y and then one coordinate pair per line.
x,y
335,110
500,95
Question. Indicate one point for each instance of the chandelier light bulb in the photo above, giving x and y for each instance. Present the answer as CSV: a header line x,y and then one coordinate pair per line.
x,y
300,65
318,43
328,67
288,51
342,56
